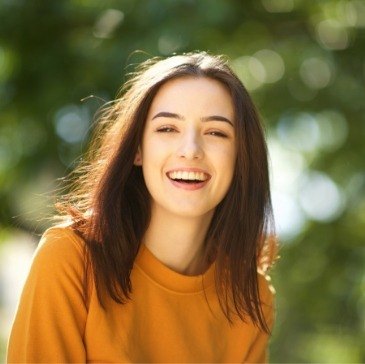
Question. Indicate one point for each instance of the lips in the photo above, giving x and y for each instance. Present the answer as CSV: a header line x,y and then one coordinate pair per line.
x,y
188,179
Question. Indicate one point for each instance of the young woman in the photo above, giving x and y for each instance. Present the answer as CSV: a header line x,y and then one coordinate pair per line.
x,y
167,239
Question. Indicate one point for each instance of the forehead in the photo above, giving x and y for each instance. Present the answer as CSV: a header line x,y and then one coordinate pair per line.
x,y
194,93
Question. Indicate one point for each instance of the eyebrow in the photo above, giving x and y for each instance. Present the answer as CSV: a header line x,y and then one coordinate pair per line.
x,y
166,114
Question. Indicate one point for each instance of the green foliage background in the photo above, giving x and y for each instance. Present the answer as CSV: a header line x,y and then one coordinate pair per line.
x,y
55,53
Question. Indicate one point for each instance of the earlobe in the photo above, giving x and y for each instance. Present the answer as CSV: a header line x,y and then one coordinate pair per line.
x,y
138,158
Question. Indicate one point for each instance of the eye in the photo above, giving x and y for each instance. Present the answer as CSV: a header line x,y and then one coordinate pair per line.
x,y
218,134
166,129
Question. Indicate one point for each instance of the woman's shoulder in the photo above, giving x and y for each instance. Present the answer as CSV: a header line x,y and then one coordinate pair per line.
x,y
60,246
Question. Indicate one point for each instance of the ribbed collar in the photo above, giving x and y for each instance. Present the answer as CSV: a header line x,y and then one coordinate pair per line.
x,y
161,275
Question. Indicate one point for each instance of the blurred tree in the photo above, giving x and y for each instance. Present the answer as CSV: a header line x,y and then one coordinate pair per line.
x,y
304,64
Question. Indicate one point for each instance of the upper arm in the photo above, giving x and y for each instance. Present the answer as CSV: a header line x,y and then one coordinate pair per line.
x,y
50,319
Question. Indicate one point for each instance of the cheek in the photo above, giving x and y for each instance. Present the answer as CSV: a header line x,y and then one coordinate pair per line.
x,y
225,155
153,155
227,163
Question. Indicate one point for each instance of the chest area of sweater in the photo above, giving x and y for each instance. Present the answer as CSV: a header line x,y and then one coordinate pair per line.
x,y
162,325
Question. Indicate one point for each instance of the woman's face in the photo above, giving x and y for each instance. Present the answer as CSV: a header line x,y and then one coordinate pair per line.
x,y
188,149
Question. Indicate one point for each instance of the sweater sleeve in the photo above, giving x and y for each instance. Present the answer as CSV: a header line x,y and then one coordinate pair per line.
x,y
50,320
259,349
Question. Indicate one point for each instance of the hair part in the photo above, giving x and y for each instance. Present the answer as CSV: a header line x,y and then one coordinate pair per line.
x,y
109,191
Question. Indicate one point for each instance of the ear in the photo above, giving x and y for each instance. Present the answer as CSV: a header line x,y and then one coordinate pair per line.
x,y
138,157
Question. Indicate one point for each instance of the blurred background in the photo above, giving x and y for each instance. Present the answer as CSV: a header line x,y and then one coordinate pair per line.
x,y
303,62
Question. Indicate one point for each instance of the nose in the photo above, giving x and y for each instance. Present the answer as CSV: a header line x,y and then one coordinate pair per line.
x,y
190,146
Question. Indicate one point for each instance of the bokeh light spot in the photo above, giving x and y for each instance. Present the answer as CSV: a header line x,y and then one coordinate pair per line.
x,y
257,69
108,21
315,73
333,129
72,123
299,132
289,218
331,34
273,64
250,71
354,11
326,130
287,167
320,198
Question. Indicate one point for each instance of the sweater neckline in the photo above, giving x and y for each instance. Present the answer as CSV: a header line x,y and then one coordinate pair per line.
x,y
164,276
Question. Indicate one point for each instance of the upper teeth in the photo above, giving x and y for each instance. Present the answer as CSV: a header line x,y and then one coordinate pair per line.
x,y
188,175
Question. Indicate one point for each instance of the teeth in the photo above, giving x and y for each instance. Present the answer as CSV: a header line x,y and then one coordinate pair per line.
x,y
200,176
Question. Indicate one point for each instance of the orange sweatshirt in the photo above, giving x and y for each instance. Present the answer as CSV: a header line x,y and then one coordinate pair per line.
x,y
167,319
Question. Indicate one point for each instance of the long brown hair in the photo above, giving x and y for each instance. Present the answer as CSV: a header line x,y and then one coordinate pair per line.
x,y
110,204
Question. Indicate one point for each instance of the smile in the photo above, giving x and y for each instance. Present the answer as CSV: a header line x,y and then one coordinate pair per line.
x,y
188,176
190,180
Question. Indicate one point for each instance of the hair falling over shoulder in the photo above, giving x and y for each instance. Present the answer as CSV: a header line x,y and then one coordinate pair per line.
x,y
109,204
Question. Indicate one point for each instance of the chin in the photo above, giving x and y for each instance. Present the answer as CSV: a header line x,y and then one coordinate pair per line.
x,y
193,213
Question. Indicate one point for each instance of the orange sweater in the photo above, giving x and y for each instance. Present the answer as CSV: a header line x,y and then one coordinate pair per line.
x,y
167,319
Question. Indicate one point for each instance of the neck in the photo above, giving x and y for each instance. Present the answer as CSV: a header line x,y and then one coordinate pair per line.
x,y
178,241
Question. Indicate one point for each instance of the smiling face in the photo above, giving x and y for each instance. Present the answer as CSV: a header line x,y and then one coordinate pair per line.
x,y
188,147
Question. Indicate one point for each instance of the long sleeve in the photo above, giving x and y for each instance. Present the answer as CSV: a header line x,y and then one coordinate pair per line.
x,y
50,320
